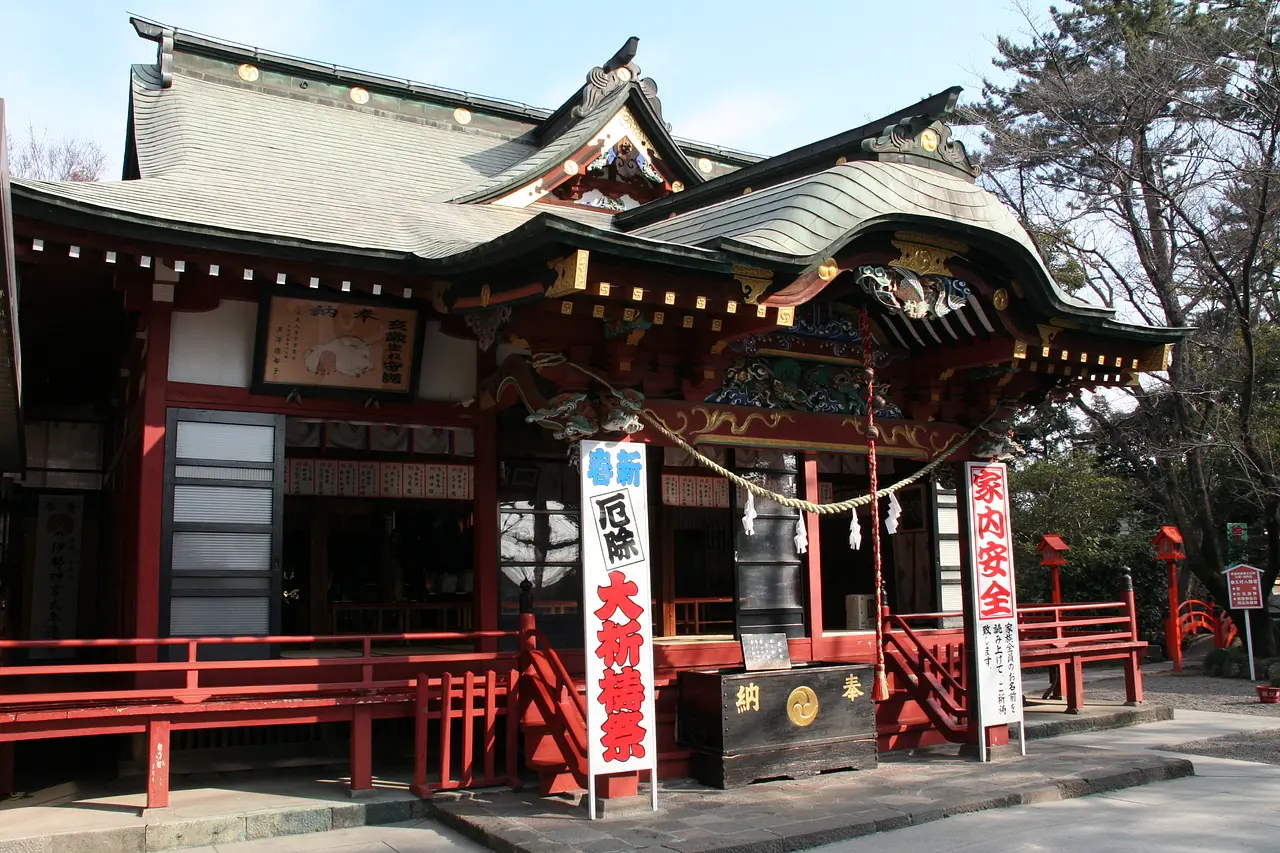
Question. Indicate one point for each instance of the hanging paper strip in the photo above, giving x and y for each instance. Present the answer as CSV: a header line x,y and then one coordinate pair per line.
x,y
855,530
894,513
349,478
415,480
802,535
327,477
749,515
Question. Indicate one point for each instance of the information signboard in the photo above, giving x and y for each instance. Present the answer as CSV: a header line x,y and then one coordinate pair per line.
x,y
621,722
995,600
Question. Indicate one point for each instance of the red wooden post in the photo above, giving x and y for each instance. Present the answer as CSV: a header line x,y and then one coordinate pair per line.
x,y
814,557
484,590
1168,543
151,481
361,748
1132,666
1053,553
446,730
420,736
158,764
6,768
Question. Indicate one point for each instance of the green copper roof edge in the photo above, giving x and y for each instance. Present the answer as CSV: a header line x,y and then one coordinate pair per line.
x,y
796,163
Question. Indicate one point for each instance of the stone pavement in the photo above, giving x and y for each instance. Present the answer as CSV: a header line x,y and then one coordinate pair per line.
x,y
235,809
229,809
1226,806
776,817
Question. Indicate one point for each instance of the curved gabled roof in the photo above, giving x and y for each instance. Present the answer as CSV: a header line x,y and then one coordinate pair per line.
x,y
549,158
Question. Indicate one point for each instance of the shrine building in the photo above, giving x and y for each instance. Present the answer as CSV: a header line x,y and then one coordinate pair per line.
x,y
298,399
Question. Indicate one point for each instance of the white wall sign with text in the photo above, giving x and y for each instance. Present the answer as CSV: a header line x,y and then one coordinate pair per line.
x,y
997,661
621,722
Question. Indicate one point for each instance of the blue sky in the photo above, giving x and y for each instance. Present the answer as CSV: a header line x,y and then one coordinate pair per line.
x,y
762,77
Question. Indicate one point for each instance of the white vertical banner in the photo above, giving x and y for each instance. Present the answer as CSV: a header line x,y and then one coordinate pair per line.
x,y
997,662
56,578
621,722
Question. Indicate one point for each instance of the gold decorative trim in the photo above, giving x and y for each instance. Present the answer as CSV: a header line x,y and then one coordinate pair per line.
x,y
922,259
1019,349
485,293
828,269
1000,299
787,315
1156,358
571,273
754,282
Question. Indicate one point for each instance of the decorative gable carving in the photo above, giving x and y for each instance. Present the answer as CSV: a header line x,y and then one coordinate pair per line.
x,y
619,71
919,136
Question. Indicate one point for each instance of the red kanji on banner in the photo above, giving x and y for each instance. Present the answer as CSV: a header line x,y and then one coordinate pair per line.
x,y
993,603
991,523
988,485
619,644
621,690
623,736
618,596
993,559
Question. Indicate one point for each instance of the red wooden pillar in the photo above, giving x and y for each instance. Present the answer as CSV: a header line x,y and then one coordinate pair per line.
x,y
6,768
362,748
158,764
484,591
151,480
1168,544
1173,633
814,557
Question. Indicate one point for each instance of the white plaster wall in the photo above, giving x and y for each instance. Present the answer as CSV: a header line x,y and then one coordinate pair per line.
x,y
214,347
448,366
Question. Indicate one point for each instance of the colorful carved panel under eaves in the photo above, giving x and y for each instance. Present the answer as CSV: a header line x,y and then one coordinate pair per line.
x,y
622,177
786,383
821,330
914,295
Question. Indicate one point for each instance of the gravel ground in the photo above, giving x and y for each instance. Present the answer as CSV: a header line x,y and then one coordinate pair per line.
x,y
1263,746
1191,690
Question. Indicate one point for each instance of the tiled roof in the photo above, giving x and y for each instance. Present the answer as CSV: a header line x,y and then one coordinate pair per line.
x,y
237,159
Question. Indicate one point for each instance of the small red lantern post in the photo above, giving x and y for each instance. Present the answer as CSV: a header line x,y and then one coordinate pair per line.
x,y
1168,544
1053,553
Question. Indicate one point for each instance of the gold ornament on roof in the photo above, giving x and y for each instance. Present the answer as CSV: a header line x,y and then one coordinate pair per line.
x,y
922,259
754,282
1000,299
828,269
571,273
929,139
359,96
462,115
248,73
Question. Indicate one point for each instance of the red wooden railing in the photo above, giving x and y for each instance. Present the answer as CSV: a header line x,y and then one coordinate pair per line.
x,y
255,675
331,678
470,702
938,685
554,715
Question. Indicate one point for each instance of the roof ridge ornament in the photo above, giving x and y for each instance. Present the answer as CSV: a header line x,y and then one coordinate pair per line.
x,y
619,71
926,137
164,56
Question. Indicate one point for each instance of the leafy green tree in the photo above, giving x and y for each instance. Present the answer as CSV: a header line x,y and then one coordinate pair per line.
x,y
1139,140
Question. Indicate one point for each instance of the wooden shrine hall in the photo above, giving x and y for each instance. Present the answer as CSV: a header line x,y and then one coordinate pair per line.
x,y
301,395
